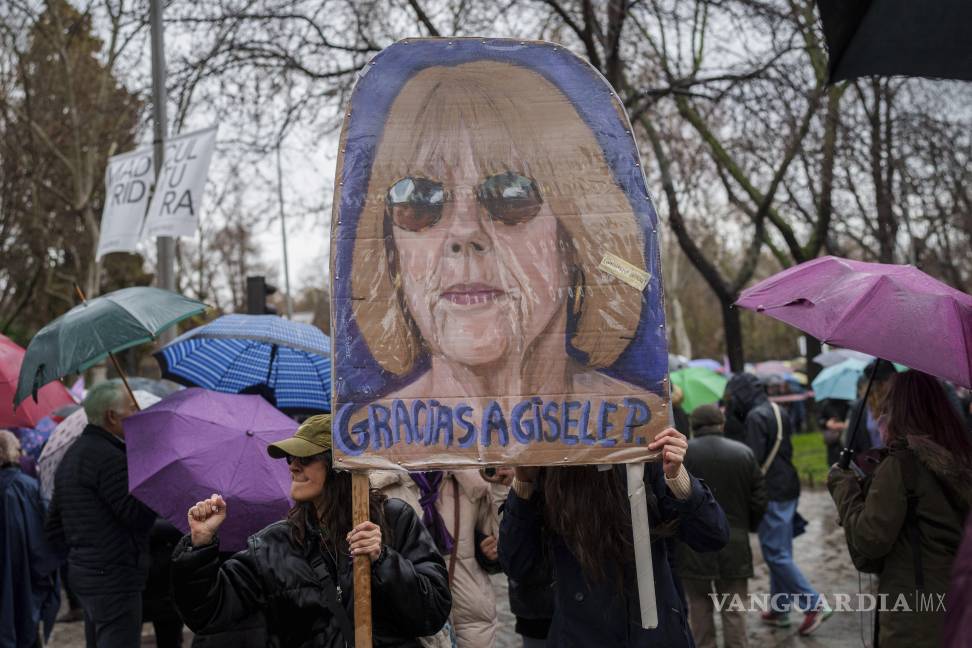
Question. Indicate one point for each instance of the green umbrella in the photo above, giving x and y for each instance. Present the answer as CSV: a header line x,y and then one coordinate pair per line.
x,y
699,385
94,329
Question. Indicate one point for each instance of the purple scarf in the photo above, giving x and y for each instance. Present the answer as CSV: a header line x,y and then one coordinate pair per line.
x,y
429,483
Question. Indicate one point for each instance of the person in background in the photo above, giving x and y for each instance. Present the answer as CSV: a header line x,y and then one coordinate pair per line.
x,y
767,434
462,515
730,470
104,528
157,604
532,599
832,420
299,573
907,523
869,436
679,416
579,518
29,590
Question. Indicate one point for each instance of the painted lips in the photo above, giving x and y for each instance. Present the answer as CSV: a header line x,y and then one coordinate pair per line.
x,y
471,294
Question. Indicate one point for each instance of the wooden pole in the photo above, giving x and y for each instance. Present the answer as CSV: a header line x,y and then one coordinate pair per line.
x,y
111,355
362,564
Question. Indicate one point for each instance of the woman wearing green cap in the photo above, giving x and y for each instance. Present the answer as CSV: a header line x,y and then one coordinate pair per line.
x,y
298,571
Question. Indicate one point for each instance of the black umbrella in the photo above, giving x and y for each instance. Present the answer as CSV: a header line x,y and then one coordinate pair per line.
x,y
897,38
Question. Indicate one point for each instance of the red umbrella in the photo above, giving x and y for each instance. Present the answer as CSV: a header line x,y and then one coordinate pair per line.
x,y
28,414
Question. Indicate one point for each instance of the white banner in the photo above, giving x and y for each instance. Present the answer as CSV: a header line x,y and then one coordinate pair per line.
x,y
175,206
128,179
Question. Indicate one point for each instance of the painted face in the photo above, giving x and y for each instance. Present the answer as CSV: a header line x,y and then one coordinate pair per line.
x,y
483,275
307,482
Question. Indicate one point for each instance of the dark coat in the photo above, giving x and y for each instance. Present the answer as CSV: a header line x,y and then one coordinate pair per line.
x,y
105,529
730,470
29,588
876,530
604,614
749,403
958,605
409,586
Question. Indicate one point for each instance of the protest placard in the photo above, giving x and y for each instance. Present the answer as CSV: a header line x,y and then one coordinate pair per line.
x,y
494,263
177,200
128,183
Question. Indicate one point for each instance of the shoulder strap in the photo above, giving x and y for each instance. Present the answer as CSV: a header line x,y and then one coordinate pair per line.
x,y
909,477
330,598
455,529
779,439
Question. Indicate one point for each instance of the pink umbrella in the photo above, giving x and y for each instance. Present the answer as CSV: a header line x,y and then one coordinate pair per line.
x,y
895,312
49,398
771,367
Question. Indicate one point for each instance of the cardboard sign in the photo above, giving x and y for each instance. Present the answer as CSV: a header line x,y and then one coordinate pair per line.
x,y
128,183
495,269
177,200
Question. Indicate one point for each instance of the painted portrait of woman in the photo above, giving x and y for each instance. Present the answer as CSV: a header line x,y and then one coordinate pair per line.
x,y
494,273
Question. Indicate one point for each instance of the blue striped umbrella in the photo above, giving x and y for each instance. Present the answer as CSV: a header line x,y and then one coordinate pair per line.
x,y
237,351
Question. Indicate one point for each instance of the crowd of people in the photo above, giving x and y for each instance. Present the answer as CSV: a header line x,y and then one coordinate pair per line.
x,y
562,535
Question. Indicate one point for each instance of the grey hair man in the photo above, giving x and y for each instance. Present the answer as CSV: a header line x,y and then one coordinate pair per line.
x,y
105,529
9,449
107,404
28,570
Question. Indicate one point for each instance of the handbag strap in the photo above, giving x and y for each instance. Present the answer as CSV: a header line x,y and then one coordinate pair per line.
x,y
455,528
779,439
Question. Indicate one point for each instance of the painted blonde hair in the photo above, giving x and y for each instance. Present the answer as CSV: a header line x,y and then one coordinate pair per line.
x,y
516,120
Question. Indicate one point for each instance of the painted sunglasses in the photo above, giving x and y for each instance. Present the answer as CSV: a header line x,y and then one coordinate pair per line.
x,y
415,203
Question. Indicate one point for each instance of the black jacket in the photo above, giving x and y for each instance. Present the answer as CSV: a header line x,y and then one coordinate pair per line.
x,y
606,614
748,402
409,586
730,470
104,528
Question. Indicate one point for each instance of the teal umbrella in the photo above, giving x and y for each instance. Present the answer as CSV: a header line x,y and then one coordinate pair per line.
x,y
839,381
700,386
97,328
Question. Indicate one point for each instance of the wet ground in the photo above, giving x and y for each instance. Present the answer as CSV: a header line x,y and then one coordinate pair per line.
x,y
821,554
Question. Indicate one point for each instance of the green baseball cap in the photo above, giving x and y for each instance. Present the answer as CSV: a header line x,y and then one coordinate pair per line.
x,y
312,437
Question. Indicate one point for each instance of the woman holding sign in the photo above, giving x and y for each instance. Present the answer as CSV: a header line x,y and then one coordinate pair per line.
x,y
578,519
298,571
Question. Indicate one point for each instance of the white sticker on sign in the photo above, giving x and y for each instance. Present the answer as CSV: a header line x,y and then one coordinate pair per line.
x,y
629,274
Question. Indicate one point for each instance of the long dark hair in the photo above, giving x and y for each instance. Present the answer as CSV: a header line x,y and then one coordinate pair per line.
x,y
917,405
589,509
335,510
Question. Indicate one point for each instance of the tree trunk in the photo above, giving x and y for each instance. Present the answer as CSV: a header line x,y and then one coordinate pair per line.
x,y
732,326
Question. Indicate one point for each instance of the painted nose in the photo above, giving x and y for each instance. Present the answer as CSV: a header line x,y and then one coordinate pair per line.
x,y
467,232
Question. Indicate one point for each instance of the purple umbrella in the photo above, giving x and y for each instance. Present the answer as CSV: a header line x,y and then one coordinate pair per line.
x,y
197,442
707,363
894,312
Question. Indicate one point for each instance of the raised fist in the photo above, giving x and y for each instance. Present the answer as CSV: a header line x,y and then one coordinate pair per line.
x,y
204,518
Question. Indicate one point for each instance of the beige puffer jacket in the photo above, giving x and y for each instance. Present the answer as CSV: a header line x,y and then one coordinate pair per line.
x,y
473,603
